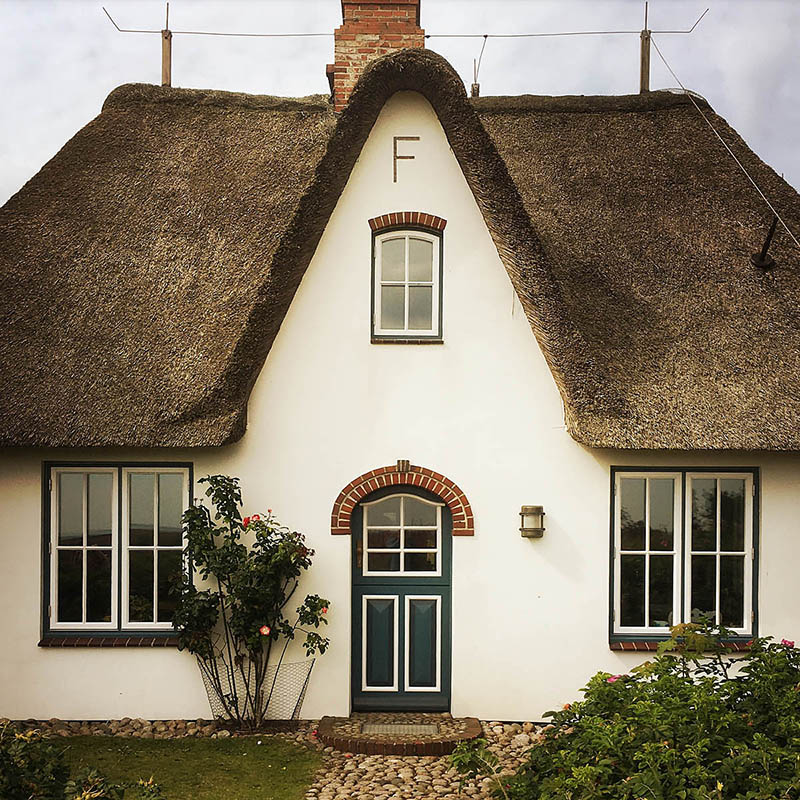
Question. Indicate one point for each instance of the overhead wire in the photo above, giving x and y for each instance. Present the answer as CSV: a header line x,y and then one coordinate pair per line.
x,y
726,145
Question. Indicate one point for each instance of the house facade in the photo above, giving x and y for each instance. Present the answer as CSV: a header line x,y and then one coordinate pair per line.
x,y
399,319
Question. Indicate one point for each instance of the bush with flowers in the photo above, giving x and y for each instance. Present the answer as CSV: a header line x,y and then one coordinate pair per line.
x,y
232,600
693,724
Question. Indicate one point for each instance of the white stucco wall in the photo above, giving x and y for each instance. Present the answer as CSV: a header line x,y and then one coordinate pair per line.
x,y
530,617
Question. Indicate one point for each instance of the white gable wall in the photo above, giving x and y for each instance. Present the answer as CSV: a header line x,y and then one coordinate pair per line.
x,y
530,617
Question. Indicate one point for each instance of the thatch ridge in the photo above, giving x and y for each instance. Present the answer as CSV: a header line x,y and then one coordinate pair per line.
x,y
131,93
587,104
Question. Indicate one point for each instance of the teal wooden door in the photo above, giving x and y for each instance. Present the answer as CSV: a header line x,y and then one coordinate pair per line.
x,y
402,547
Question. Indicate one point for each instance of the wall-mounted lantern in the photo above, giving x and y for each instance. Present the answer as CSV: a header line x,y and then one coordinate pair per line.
x,y
532,522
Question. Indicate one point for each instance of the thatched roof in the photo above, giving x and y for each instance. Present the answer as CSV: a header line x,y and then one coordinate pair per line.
x,y
145,271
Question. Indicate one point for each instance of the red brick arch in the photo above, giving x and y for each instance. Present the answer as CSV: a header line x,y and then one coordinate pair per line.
x,y
398,218
403,474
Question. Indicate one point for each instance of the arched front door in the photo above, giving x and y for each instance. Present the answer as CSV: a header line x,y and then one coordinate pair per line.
x,y
402,547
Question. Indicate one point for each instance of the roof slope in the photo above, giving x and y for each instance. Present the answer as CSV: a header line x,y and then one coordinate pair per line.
x,y
648,226
145,271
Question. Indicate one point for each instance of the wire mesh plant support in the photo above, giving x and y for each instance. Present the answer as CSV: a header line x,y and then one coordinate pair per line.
x,y
282,693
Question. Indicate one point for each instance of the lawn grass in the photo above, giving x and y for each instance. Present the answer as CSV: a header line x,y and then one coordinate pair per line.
x,y
202,769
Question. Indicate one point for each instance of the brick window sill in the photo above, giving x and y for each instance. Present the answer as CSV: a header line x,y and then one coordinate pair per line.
x,y
651,645
406,340
137,640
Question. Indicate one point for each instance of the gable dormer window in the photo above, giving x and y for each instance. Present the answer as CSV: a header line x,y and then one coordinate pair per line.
x,y
406,285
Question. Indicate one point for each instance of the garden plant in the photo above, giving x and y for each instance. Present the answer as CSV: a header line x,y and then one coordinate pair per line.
x,y
240,576
695,723
34,767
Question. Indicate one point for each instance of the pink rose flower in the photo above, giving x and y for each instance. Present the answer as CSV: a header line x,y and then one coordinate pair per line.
x,y
613,679
256,516
787,642
264,630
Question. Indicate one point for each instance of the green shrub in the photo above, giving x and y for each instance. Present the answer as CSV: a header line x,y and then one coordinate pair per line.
x,y
32,767
693,724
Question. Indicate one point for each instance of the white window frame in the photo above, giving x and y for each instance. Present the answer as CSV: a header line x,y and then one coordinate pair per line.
x,y
402,549
748,552
127,624
119,546
682,550
378,331
438,686
396,625
54,548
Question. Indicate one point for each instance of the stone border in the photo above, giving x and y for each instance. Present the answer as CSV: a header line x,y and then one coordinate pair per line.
x,y
364,743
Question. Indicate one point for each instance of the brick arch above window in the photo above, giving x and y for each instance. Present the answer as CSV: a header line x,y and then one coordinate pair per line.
x,y
403,474
401,218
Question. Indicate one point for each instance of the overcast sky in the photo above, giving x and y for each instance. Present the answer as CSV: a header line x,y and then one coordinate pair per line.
x,y
59,59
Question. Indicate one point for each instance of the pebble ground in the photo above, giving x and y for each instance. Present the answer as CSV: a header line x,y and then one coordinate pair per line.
x,y
353,776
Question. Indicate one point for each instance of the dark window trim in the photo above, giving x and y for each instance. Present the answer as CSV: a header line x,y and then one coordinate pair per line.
x,y
405,338
615,638
46,634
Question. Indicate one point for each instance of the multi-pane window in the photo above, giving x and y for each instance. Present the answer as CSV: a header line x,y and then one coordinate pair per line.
x,y
683,547
407,278
402,536
115,543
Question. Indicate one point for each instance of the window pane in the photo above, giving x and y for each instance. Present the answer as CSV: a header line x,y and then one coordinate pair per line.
x,y
386,512
731,591
141,508
704,586
141,586
393,260
70,510
704,514
420,562
632,513
98,586
425,539
662,509
420,260
383,562
169,569
70,585
170,509
420,308
418,513
661,591
731,510
383,539
393,312
101,487
631,591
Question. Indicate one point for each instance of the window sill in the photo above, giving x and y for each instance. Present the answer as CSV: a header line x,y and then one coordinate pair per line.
x,y
651,645
407,340
117,640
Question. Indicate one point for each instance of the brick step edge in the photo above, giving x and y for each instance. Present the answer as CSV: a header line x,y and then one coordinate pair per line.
x,y
354,743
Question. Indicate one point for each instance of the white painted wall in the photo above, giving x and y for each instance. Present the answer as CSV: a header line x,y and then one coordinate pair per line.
x,y
530,617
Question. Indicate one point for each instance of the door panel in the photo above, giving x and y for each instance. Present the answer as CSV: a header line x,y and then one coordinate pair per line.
x,y
380,635
401,608
423,648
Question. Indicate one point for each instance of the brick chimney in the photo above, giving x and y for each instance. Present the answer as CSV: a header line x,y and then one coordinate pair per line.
x,y
370,28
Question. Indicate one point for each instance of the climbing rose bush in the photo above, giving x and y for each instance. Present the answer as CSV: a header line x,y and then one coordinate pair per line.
x,y
693,724
234,601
